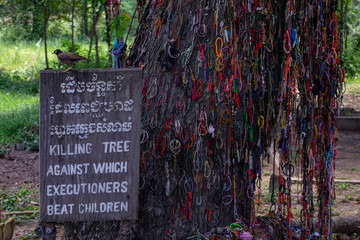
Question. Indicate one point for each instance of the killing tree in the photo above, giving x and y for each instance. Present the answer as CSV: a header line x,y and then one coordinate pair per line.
x,y
222,81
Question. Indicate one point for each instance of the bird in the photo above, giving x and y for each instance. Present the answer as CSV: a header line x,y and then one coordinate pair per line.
x,y
69,58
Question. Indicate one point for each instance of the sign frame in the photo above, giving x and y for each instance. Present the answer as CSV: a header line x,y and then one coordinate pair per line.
x,y
89,144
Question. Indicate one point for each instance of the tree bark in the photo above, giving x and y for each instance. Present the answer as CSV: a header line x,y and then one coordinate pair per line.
x,y
37,26
92,230
132,19
108,29
85,23
213,98
97,48
72,25
96,18
340,224
345,224
46,19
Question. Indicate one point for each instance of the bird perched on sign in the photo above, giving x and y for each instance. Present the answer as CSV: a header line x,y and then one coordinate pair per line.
x,y
69,58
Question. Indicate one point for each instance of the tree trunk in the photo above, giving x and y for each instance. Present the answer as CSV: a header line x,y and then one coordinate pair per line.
x,y
72,25
132,20
91,230
97,48
85,24
45,32
216,93
108,29
346,224
340,224
96,18
37,31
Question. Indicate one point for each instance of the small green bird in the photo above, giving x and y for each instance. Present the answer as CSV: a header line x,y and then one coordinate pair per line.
x,y
69,58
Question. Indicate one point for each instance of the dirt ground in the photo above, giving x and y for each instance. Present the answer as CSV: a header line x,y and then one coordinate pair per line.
x,y
351,105
19,169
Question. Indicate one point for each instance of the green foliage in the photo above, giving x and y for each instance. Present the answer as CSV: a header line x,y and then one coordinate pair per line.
x,y
21,200
357,169
25,199
353,84
343,185
26,217
19,93
20,64
119,24
19,111
24,19
270,197
16,19
22,56
4,149
352,38
66,46
31,236
19,114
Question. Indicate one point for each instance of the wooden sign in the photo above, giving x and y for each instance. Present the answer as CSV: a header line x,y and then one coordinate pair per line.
x,y
89,144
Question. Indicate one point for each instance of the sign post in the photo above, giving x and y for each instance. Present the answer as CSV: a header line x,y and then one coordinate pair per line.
x,y
89,144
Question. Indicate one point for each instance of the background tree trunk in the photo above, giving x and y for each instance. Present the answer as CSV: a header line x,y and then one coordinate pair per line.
x,y
37,31
97,48
340,224
72,25
96,17
46,19
108,38
91,230
85,24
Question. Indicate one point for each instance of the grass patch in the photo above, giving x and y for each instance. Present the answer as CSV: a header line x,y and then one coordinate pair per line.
x,y
343,185
32,235
20,64
336,213
357,169
19,114
22,200
343,178
353,84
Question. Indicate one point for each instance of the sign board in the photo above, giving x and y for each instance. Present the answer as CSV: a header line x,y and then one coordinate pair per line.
x,y
89,144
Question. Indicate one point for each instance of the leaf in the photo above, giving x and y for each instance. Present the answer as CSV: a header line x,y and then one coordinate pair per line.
x,y
127,15
120,23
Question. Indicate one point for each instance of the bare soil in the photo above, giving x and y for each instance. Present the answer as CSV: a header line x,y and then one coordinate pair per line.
x,y
351,105
22,168
19,169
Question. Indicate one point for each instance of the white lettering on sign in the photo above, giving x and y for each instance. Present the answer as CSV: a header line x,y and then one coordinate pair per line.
x,y
84,129
58,209
103,207
68,169
70,149
116,147
99,87
110,167
86,188
90,107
